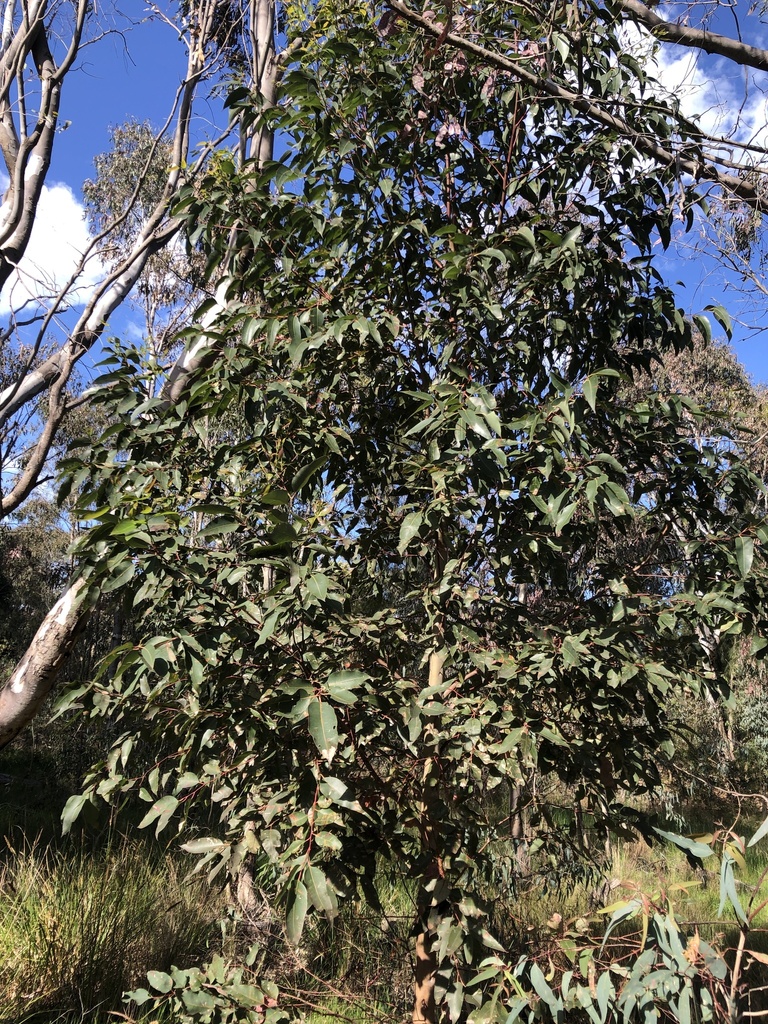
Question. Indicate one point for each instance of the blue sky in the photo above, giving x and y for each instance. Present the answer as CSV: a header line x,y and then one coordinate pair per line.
x,y
131,74
700,282
135,73
730,102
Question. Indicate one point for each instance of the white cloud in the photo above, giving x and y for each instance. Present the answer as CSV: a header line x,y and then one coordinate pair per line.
x,y
724,100
59,239
702,98
134,332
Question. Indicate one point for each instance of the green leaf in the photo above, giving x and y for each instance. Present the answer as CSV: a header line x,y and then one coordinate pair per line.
x,y
526,236
721,315
276,496
317,585
728,889
307,474
347,679
220,526
161,810
696,849
621,912
297,912
120,580
589,389
760,834
198,1001
319,892
745,550
543,991
323,728
72,810
454,1001
605,993
294,328
206,844
490,942
160,981
409,529
340,794
683,1014
702,322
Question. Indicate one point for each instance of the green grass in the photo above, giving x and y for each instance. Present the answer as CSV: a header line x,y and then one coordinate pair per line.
x,y
349,1011
78,927
357,968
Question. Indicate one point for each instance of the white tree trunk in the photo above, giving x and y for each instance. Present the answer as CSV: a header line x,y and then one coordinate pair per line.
x,y
33,678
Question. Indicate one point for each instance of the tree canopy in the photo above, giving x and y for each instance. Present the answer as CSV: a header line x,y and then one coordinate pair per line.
x,y
409,535
245,44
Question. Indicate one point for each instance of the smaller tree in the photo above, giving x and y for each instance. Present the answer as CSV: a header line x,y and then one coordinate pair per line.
x,y
129,184
447,546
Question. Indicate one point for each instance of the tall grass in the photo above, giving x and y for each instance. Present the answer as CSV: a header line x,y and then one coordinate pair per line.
x,y
78,927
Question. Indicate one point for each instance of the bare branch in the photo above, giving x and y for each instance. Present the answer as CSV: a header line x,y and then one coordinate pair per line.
x,y
114,289
28,479
699,38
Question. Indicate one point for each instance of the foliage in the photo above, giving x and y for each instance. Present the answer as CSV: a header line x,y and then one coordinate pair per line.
x,y
636,957
131,181
442,548
716,739
672,969
217,994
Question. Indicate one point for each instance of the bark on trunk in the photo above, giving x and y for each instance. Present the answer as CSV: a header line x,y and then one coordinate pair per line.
x,y
25,692
425,971
517,828
424,1010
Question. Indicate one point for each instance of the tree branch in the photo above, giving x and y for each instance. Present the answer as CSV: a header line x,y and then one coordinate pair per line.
x,y
682,160
27,689
698,38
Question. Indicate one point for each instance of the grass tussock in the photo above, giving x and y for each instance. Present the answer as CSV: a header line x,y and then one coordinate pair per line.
x,y
78,928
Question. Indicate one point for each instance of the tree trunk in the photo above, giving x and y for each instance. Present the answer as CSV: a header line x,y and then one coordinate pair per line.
x,y
28,687
582,837
424,1008
517,827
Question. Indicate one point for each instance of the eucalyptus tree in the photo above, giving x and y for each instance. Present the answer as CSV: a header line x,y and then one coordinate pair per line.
x,y
131,176
725,160
447,545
